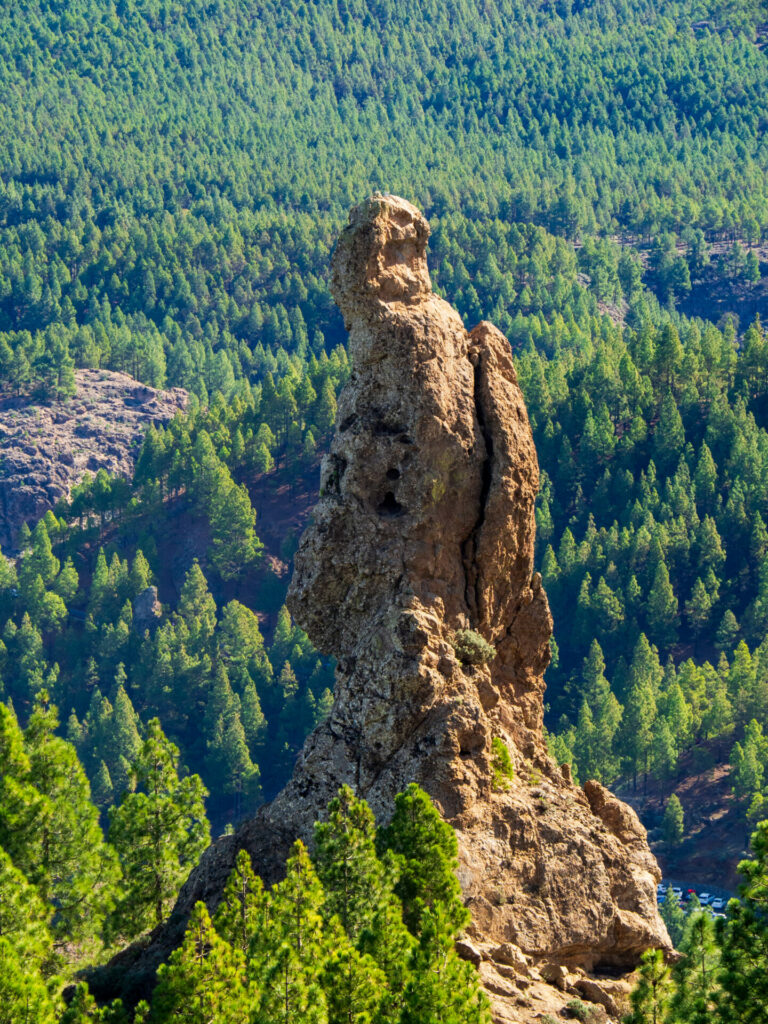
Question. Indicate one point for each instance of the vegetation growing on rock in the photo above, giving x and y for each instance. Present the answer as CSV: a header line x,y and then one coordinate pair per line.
x,y
471,648
501,764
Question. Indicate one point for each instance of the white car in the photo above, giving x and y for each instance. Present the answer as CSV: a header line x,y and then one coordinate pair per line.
x,y
717,903
704,898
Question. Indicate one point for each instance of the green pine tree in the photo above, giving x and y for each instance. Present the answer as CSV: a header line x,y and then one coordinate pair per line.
x,y
427,854
673,823
288,955
673,916
24,917
650,997
159,832
695,974
743,938
242,910
354,985
354,879
662,606
204,980
443,989
68,860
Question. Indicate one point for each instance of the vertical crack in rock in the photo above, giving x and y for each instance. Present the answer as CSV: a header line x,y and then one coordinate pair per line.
x,y
382,579
469,547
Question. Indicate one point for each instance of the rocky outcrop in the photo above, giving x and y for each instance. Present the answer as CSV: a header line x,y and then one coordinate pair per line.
x,y
47,449
147,610
425,528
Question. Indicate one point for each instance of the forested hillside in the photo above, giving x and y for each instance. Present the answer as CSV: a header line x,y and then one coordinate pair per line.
x,y
172,176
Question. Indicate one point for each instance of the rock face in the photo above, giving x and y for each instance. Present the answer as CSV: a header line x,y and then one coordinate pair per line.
x,y
47,449
147,609
424,527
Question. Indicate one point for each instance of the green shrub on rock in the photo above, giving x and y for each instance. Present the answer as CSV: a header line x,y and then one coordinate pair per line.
x,y
471,648
501,765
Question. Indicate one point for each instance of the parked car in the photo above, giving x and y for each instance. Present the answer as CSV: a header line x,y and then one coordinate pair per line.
x,y
717,903
704,898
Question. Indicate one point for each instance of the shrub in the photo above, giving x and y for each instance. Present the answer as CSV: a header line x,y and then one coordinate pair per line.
x,y
589,1014
579,1010
501,765
471,648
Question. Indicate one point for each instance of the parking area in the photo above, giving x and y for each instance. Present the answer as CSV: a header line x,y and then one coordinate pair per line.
x,y
713,898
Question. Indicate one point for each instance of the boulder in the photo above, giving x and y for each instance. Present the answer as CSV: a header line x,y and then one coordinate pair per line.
x,y
146,609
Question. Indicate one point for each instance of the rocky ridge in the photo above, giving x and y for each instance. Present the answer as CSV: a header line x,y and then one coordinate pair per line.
x,y
47,449
424,528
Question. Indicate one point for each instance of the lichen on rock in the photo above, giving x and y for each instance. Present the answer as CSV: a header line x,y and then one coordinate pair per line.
x,y
425,528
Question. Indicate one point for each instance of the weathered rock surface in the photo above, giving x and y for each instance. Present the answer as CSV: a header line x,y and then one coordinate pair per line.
x,y
147,609
47,449
424,526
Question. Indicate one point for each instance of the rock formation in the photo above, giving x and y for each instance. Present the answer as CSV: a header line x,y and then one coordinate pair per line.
x,y
48,448
425,528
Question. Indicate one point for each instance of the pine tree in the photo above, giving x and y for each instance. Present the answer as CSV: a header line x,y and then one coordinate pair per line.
x,y
391,946
662,606
325,413
727,631
673,824
599,721
695,975
673,917
234,544
204,980
663,750
228,759
442,989
354,985
242,910
24,996
67,860
121,735
67,582
159,832
103,793
354,879
289,954
140,575
240,643
744,942
254,722
99,586
650,997
40,561
637,726
698,607
198,610
427,854
21,805
24,917
705,478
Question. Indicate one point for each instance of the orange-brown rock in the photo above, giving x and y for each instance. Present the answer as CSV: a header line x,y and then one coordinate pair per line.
x,y
425,527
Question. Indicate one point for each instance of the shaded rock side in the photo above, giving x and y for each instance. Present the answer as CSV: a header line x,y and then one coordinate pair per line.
x,y
48,448
425,526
